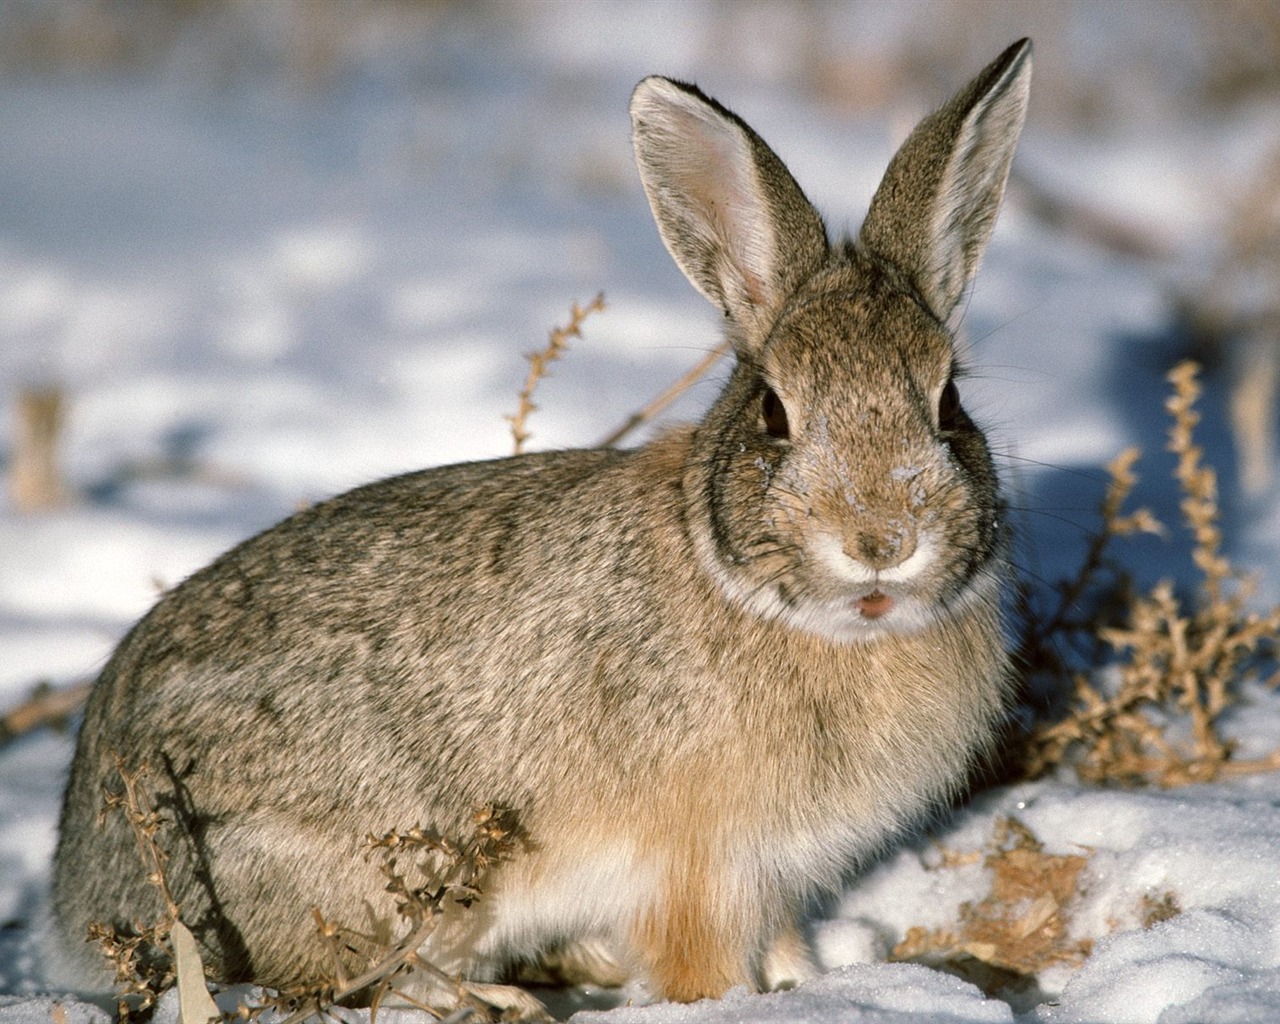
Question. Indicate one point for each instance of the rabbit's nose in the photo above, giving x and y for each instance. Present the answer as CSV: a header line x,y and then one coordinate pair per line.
x,y
883,548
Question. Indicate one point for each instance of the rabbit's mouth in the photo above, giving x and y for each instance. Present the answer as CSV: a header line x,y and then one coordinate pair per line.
x,y
874,605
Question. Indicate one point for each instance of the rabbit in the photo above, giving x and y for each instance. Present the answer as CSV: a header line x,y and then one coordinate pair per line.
x,y
707,676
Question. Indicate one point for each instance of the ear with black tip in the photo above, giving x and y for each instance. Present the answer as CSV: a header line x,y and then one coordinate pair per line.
x,y
933,213
729,212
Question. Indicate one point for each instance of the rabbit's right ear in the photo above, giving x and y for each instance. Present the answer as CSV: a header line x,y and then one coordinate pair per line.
x,y
730,213
933,213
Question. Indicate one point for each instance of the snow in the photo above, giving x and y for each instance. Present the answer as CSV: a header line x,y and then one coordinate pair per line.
x,y
885,994
279,291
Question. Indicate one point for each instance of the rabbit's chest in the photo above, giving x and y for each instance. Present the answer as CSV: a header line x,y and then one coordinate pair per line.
x,y
845,767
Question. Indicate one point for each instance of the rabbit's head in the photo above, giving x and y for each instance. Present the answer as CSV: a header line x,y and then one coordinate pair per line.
x,y
838,484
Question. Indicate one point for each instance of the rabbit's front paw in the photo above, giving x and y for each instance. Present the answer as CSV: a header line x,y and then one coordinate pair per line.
x,y
509,1002
788,962
587,962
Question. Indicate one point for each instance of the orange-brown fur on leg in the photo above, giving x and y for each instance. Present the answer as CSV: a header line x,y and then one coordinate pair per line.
x,y
692,951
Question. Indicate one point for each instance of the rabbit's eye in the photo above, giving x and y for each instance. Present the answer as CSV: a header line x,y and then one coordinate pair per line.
x,y
949,406
775,415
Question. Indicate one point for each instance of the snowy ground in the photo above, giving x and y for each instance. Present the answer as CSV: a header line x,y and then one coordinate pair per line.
x,y
257,292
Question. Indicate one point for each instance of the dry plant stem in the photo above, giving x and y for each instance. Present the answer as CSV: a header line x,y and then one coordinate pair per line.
x,y
45,706
1177,664
35,479
644,415
402,954
539,362
457,878
144,961
145,823
328,934
376,1002
1122,481
1199,482
170,939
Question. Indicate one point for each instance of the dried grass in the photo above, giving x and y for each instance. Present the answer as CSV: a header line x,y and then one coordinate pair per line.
x,y
540,362
1020,927
1025,924
148,959
453,873
1180,662
141,955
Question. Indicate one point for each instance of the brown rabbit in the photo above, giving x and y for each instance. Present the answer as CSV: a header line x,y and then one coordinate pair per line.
x,y
707,675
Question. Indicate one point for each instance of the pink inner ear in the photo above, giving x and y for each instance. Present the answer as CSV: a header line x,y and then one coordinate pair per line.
x,y
752,288
717,173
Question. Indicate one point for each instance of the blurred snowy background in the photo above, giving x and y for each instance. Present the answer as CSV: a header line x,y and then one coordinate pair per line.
x,y
253,253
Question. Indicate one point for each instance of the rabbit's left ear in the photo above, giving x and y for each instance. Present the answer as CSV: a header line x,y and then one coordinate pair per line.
x,y
933,213
728,210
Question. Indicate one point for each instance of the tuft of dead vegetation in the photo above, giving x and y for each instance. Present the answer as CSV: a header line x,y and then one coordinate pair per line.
x,y
149,959
35,473
1155,908
1020,928
451,873
1025,923
540,362
143,956
1179,662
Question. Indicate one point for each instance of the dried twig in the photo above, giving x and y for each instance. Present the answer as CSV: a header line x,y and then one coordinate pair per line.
x,y
145,823
35,478
452,873
142,955
644,415
1098,585
1180,663
149,959
539,362
47,705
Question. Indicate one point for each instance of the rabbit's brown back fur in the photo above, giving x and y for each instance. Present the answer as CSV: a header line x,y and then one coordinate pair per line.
x,y
708,676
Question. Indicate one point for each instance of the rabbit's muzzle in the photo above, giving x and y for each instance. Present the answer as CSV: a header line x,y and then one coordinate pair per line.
x,y
883,547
